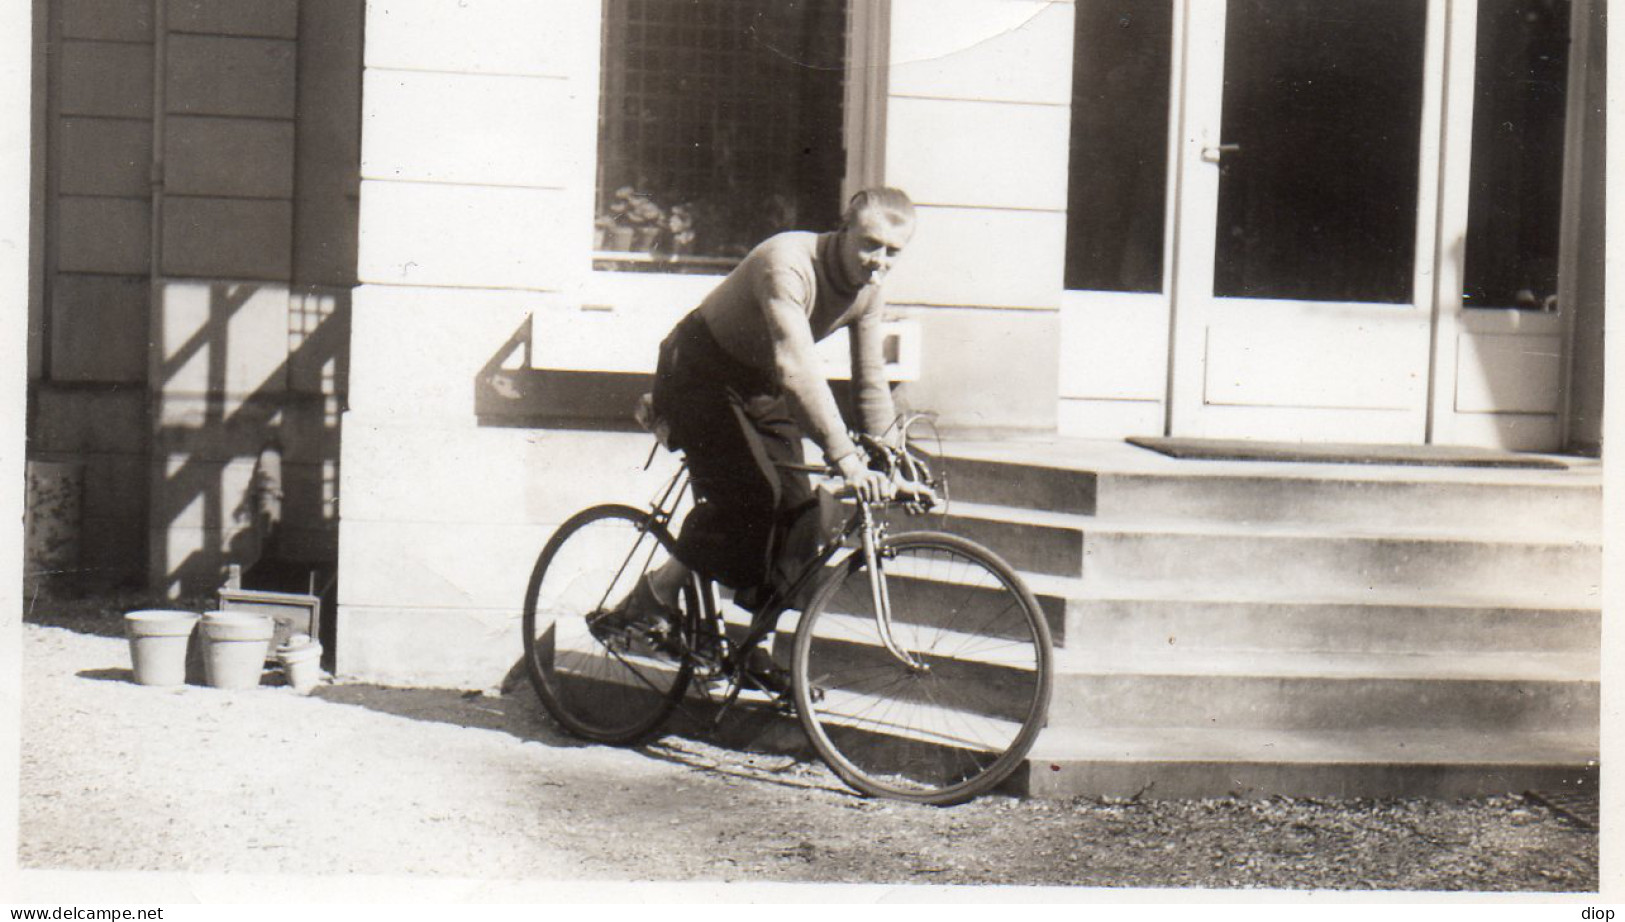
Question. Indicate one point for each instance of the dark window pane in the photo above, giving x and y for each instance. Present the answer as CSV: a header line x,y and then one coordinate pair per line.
x,y
720,124
1118,181
1324,100
1515,202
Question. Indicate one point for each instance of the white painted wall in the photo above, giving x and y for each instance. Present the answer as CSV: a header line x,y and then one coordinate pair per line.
x,y
478,150
478,161
478,166
1114,364
16,58
977,110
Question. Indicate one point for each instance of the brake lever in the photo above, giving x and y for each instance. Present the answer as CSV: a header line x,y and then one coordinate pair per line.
x,y
922,498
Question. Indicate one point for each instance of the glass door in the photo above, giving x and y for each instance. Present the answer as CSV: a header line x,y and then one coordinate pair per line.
x,y
1509,207
1305,230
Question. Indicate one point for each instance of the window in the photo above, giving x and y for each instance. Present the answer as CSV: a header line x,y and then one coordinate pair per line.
x,y
720,124
1515,195
1118,187
1323,104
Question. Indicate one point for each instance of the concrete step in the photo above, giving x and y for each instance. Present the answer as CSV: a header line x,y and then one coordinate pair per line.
x,y
1109,479
1169,763
919,599
981,675
1126,723
1166,764
1187,616
1229,689
1327,626
1206,614
1406,693
1286,557
1532,509
1201,763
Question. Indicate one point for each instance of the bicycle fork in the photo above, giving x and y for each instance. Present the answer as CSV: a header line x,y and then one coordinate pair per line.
x,y
882,596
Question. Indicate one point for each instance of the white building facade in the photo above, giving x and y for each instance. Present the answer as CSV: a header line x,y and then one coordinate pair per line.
x,y
1322,220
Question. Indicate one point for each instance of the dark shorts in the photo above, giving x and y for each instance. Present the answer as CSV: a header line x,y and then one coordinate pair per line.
x,y
754,524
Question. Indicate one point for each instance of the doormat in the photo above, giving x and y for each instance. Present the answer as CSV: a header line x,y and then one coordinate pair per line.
x,y
1342,453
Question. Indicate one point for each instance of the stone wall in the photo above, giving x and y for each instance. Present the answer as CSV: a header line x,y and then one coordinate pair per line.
x,y
199,216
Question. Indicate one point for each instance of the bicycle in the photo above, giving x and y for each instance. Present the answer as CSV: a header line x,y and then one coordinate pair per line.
x,y
920,670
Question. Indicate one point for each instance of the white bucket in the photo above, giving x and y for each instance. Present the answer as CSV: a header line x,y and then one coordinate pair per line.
x,y
301,659
235,648
158,641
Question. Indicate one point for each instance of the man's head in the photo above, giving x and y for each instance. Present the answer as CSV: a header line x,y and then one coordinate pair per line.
x,y
878,223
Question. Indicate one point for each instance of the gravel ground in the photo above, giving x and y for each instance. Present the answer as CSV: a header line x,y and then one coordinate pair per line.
x,y
359,779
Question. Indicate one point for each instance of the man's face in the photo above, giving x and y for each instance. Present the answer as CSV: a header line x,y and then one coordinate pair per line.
x,y
871,244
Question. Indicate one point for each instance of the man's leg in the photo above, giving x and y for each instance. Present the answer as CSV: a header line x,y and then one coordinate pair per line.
x,y
666,581
728,534
733,433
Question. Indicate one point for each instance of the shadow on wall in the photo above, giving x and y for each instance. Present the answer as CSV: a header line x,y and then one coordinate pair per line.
x,y
213,427
509,392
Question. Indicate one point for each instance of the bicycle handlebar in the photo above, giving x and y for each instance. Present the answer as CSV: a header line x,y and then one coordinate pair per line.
x,y
909,493
911,477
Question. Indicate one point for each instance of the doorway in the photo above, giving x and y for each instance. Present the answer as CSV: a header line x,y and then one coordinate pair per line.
x,y
1307,170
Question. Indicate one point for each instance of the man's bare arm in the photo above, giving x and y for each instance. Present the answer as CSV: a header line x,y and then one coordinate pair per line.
x,y
869,384
799,370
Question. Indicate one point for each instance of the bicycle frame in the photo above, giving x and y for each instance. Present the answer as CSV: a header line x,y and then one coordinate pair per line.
x,y
960,682
862,523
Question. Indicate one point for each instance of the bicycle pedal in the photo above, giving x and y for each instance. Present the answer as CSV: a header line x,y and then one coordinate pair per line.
x,y
785,701
657,645
615,640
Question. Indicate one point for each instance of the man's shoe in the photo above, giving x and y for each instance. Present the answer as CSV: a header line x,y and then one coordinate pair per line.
x,y
640,623
766,674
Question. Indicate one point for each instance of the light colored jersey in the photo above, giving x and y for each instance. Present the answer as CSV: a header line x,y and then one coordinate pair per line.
x,y
802,269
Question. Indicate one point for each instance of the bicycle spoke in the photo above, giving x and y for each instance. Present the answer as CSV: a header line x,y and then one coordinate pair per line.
x,y
601,682
961,721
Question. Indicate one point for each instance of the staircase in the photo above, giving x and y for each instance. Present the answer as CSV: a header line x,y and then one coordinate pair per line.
x,y
1299,629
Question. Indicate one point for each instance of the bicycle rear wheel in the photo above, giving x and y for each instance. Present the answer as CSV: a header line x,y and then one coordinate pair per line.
x,y
948,731
604,689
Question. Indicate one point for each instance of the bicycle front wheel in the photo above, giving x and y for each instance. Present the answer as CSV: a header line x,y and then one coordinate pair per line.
x,y
601,688
959,710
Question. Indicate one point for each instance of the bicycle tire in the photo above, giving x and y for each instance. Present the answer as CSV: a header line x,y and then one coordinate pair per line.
x,y
596,688
942,736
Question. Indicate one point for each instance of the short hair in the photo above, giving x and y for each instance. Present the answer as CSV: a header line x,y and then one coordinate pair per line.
x,y
894,202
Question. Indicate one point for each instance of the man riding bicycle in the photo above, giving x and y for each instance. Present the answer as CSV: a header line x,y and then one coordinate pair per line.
x,y
738,378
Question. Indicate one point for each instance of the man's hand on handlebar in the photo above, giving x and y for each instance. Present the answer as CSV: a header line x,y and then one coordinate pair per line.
x,y
868,485
889,482
920,496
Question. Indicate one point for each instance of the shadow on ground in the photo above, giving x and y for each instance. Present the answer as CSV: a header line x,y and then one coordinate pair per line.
x,y
101,615
752,742
786,771
125,676
510,714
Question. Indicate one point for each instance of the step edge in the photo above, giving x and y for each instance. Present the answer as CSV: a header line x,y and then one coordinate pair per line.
x,y
1581,472
1086,589
1090,525
1541,667
1560,759
1401,476
1225,745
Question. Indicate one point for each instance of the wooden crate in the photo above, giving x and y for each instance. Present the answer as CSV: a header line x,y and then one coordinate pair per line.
x,y
293,612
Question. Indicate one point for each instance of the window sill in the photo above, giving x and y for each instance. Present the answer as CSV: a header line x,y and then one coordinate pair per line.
x,y
659,264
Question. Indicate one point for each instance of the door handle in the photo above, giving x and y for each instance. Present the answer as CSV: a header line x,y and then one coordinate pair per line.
x,y
1213,153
